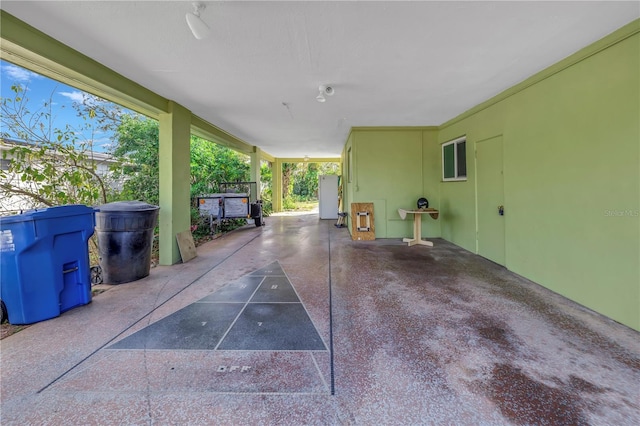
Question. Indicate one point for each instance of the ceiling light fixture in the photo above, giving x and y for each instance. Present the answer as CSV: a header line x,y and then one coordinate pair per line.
x,y
197,26
324,90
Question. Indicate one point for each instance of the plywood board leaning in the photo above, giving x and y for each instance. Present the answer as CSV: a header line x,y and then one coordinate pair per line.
x,y
362,223
186,245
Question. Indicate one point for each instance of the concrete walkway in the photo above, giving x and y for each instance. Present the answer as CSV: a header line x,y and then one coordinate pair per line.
x,y
407,335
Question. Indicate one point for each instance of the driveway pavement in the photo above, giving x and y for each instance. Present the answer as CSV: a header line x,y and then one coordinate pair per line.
x,y
294,323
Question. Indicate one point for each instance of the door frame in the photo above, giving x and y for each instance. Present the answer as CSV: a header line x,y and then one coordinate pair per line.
x,y
477,204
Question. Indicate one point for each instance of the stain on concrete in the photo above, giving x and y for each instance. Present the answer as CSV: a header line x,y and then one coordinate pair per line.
x,y
494,331
582,385
545,304
524,400
446,310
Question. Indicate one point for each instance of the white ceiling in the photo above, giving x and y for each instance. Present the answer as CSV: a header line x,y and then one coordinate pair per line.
x,y
391,63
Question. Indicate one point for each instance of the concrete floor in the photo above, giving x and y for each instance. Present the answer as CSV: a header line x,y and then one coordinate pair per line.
x,y
417,335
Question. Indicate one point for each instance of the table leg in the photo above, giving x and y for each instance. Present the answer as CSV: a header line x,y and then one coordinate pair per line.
x,y
417,233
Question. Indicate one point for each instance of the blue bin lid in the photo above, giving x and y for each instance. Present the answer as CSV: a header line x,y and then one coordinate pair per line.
x,y
126,206
47,213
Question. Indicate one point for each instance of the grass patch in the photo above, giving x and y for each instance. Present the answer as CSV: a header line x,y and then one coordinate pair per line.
x,y
300,206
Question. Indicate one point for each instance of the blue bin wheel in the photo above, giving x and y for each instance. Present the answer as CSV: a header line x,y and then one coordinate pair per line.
x,y
4,315
96,275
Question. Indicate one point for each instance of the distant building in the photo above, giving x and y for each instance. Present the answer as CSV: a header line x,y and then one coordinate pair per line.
x,y
16,200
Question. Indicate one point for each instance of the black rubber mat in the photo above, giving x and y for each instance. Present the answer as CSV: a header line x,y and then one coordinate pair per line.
x,y
260,311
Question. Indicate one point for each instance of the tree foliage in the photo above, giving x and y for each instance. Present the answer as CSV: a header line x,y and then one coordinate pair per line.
x,y
212,164
266,193
300,181
137,145
45,165
55,166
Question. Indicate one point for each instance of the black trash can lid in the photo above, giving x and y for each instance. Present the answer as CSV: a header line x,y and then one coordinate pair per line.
x,y
126,206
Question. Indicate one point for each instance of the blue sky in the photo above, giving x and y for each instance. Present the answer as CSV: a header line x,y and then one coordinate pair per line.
x,y
40,89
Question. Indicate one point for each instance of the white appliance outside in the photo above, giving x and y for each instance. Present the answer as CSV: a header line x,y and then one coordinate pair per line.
x,y
328,196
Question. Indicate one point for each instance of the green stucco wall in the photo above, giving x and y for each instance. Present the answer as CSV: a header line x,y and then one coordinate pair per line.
x,y
431,181
571,161
590,114
571,181
392,168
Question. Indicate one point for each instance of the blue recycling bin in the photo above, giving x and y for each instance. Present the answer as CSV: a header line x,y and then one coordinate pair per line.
x,y
44,262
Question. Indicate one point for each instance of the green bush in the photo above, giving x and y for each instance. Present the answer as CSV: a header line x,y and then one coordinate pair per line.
x,y
288,203
267,205
200,225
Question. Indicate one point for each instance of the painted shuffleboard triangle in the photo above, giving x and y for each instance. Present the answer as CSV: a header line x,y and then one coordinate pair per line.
x,y
260,311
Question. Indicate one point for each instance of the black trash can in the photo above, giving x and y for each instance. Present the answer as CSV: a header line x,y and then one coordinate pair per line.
x,y
256,213
125,239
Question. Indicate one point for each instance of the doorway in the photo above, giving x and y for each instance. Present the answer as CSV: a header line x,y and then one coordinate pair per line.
x,y
490,200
